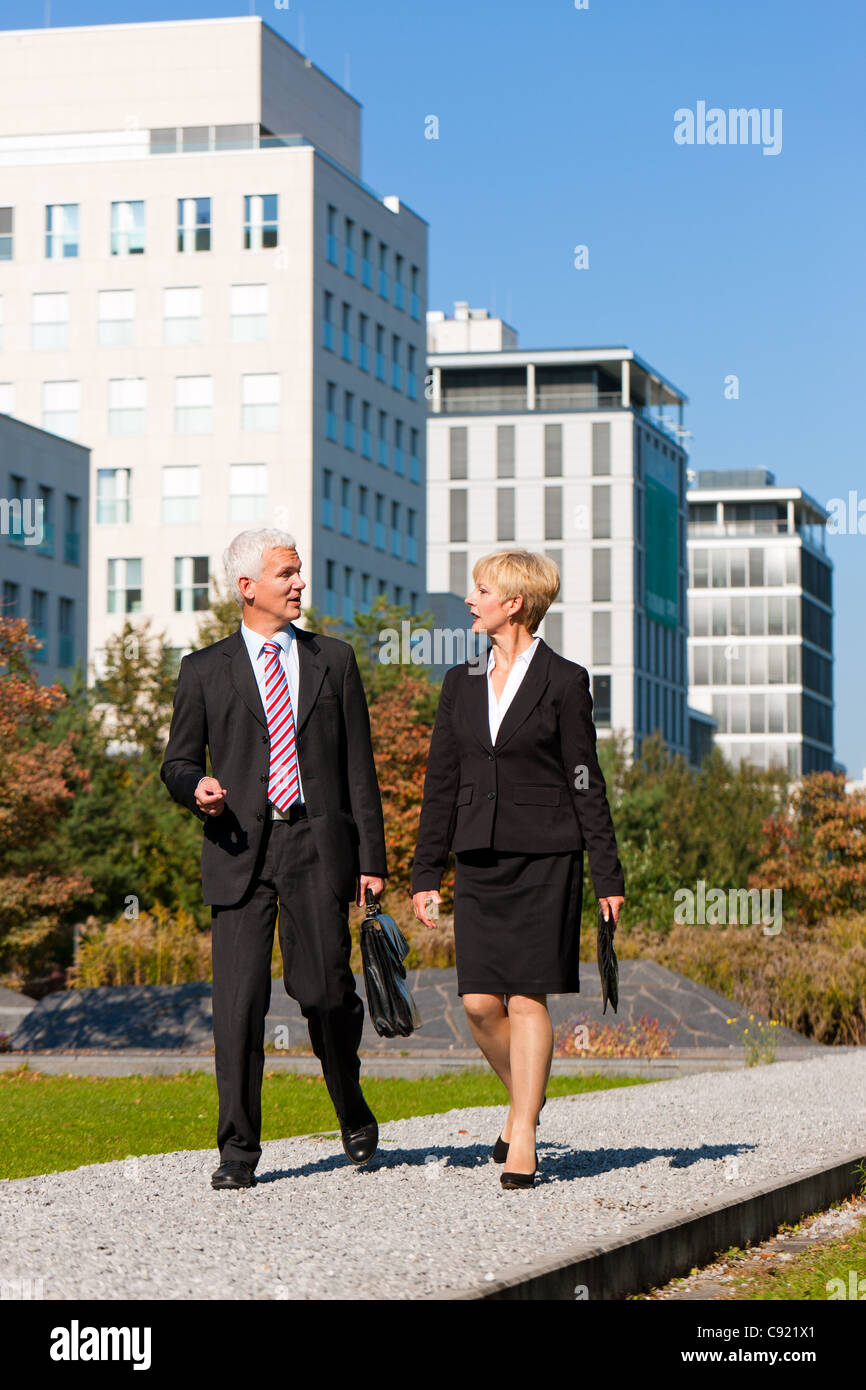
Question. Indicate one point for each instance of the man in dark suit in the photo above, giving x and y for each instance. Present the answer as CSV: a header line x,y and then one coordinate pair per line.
x,y
292,816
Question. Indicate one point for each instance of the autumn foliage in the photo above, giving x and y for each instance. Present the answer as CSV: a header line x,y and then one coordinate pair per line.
x,y
39,778
401,729
815,850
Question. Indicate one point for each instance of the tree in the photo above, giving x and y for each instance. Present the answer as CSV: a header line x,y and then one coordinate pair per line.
x,y
814,849
40,777
401,727
137,846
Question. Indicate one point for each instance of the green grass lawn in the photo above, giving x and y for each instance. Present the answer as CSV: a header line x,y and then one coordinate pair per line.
x,y
52,1123
806,1275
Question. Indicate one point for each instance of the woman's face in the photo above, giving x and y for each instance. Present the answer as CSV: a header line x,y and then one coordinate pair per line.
x,y
490,614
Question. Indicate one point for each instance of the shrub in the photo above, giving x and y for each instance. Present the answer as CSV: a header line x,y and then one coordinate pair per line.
x,y
156,948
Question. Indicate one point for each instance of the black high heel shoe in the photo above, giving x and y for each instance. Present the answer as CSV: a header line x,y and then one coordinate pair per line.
x,y
500,1148
520,1179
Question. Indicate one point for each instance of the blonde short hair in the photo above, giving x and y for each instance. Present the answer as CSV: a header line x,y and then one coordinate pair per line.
x,y
515,572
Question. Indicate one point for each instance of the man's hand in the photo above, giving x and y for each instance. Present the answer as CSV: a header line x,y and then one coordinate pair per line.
x,y
611,905
419,904
369,881
210,797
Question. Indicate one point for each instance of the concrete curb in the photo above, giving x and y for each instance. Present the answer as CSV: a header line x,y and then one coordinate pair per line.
x,y
120,1062
673,1247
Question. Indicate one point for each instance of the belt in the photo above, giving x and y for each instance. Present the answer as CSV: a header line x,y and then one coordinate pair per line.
x,y
297,811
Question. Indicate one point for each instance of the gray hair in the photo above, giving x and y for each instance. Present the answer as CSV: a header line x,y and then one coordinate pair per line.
x,y
245,556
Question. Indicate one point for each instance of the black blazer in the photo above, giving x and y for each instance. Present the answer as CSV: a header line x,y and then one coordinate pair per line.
x,y
518,794
217,706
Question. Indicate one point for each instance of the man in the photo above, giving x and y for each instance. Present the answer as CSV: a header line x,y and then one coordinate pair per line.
x,y
292,816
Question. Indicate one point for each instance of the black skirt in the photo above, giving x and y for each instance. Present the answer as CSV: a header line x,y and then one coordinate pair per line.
x,y
517,922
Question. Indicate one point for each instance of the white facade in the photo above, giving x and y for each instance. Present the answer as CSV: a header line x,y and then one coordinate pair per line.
x,y
761,620
44,483
178,199
555,450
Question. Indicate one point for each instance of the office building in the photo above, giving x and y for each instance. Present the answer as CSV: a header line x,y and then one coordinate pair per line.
x,y
576,452
196,283
45,484
761,619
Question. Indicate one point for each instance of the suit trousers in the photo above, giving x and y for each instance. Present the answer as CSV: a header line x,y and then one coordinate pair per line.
x,y
316,946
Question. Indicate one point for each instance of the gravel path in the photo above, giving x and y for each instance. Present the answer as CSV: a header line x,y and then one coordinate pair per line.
x,y
428,1215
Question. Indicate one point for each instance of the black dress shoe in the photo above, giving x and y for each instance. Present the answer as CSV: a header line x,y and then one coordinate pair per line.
x,y
233,1173
517,1179
500,1148
361,1144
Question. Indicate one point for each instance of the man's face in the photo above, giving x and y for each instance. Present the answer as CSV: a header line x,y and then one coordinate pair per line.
x,y
277,592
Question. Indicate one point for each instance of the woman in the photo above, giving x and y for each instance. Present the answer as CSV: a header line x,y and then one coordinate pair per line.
x,y
513,786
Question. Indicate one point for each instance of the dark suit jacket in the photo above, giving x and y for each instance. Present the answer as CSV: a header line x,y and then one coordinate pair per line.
x,y
518,794
217,706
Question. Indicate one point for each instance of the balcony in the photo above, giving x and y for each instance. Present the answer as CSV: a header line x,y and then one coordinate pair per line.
x,y
514,400
346,346
398,294
349,261
758,527
66,656
414,306
366,274
331,248
72,549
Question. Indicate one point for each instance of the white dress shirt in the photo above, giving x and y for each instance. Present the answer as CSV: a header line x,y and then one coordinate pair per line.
x,y
255,644
496,708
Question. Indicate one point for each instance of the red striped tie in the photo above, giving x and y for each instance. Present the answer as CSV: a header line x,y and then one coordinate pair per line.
x,y
283,778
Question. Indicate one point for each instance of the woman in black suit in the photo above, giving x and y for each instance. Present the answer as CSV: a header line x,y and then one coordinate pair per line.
x,y
514,787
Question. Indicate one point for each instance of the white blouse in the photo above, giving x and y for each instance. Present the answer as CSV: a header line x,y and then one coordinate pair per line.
x,y
496,708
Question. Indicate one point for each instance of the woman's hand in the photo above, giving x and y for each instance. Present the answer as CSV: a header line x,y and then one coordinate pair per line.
x,y
611,905
419,903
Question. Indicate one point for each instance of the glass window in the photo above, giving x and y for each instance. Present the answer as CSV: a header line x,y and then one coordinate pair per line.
x,y
127,401
190,584
193,224
719,563
193,404
124,585
738,568
248,492
181,316
181,491
260,401
112,496
61,402
261,221
127,229
700,569
249,313
700,612
775,562
116,317
756,567
61,231
553,451
720,617
50,320
6,233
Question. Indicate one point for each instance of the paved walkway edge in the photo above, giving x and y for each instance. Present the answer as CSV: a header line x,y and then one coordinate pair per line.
x,y
121,1062
673,1247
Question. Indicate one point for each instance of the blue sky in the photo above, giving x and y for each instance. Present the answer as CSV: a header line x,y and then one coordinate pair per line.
x,y
556,129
